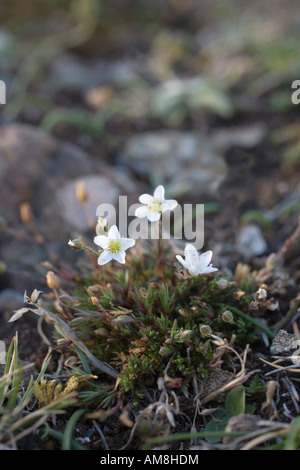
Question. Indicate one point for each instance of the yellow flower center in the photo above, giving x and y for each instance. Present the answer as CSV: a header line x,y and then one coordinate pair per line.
x,y
114,246
156,207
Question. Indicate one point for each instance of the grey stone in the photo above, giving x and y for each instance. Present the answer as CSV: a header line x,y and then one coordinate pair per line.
x,y
250,241
77,215
185,160
69,71
240,136
23,151
36,165
283,343
45,171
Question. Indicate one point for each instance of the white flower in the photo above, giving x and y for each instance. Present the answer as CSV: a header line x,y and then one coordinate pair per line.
x,y
155,205
196,264
101,227
113,246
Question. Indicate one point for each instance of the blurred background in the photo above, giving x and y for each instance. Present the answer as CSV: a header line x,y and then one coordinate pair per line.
x,y
123,95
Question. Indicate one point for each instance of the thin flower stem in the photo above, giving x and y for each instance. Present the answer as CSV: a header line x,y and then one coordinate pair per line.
x,y
88,249
92,254
159,249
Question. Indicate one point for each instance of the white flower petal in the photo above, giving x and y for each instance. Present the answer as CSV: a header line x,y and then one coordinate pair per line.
x,y
169,205
191,255
101,240
101,226
153,216
181,260
18,314
35,295
105,257
142,211
208,270
205,258
197,264
193,269
189,248
119,256
127,243
159,194
146,199
114,233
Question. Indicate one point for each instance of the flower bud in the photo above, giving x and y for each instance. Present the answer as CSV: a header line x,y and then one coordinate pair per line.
x,y
182,335
81,192
94,300
260,295
222,284
102,226
26,213
47,265
76,244
227,316
58,307
164,351
121,320
101,332
35,295
205,330
94,290
67,299
52,280
218,341
160,383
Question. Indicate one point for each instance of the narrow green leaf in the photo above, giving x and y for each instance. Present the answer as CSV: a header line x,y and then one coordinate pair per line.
x,y
67,439
292,440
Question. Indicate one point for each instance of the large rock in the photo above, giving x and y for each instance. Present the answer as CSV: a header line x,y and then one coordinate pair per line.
x,y
185,160
67,71
284,344
23,152
241,136
250,241
40,169
77,215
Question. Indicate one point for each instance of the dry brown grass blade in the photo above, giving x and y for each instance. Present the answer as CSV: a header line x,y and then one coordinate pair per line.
x,y
241,377
269,404
69,334
27,431
277,368
292,368
260,439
